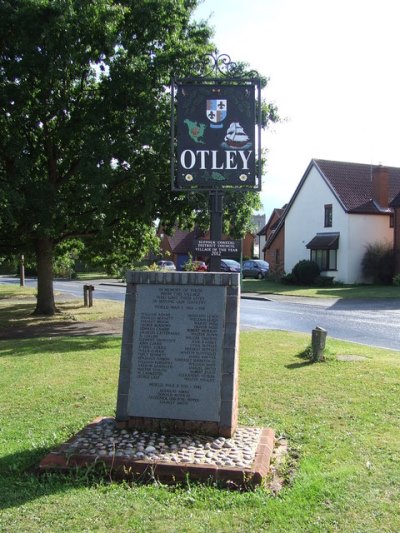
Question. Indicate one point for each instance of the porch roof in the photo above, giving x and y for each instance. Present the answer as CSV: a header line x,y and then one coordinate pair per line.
x,y
324,241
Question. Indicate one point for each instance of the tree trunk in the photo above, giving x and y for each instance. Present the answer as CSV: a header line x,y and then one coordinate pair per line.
x,y
44,260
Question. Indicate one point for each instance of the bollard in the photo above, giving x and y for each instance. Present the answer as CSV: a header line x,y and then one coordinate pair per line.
x,y
85,295
22,271
318,339
90,290
88,295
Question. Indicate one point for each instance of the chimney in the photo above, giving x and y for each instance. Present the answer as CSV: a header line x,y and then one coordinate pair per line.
x,y
380,186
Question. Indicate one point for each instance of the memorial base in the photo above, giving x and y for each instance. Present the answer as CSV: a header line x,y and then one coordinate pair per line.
x,y
166,425
242,461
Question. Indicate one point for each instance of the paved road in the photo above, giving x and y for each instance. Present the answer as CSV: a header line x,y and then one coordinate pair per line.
x,y
375,322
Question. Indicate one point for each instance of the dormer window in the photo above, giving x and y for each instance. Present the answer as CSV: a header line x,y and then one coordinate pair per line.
x,y
328,216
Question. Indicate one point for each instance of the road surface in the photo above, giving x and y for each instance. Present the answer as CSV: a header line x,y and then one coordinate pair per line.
x,y
374,322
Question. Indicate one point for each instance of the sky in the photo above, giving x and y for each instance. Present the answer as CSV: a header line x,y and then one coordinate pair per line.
x,y
334,73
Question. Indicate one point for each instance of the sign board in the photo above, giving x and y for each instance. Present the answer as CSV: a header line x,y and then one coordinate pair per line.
x,y
216,141
217,248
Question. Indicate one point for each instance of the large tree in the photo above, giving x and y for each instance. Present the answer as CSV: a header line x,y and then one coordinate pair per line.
x,y
84,121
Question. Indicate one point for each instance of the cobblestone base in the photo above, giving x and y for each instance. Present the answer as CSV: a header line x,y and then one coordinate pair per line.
x,y
241,461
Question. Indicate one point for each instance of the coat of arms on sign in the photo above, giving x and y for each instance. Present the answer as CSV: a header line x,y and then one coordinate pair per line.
x,y
216,112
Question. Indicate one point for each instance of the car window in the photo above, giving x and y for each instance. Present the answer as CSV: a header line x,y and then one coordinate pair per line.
x,y
230,262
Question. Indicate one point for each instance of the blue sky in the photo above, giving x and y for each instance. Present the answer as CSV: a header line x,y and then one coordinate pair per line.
x,y
334,74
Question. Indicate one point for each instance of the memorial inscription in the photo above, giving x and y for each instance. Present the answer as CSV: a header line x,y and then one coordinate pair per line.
x,y
177,347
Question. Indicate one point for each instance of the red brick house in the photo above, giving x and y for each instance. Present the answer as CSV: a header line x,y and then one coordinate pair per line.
x,y
274,248
395,205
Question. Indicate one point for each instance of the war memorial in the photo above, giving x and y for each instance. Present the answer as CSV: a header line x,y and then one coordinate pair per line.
x,y
177,398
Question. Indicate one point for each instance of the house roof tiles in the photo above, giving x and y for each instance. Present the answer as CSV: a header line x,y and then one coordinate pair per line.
x,y
352,184
182,241
396,201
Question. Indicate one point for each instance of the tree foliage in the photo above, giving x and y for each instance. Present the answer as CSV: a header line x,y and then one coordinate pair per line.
x,y
84,116
85,122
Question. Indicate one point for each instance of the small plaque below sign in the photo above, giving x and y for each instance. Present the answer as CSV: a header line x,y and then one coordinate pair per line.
x,y
217,248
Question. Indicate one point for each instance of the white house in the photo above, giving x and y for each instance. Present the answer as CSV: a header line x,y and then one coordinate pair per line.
x,y
338,209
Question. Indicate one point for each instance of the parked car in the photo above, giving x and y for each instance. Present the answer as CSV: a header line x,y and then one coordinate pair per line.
x,y
230,265
255,268
166,265
200,266
195,266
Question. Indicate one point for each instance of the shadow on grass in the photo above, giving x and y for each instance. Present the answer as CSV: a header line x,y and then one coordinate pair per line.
x,y
6,295
20,481
16,310
18,322
30,346
305,355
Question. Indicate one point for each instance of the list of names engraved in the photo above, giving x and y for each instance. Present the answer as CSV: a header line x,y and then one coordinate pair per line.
x,y
177,352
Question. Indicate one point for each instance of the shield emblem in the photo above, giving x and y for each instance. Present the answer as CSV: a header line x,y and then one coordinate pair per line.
x,y
216,112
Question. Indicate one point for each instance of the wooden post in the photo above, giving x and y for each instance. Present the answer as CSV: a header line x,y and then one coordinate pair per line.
x,y
318,339
90,290
22,271
85,295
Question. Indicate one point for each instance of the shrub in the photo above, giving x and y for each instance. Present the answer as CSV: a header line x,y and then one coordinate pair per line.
x,y
67,254
276,273
288,279
324,281
9,265
190,265
396,280
305,272
378,263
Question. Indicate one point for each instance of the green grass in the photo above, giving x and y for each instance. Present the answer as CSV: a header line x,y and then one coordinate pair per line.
x,y
341,420
344,291
18,303
83,276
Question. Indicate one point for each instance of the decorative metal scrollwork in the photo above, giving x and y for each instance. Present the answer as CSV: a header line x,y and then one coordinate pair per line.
x,y
221,63
219,66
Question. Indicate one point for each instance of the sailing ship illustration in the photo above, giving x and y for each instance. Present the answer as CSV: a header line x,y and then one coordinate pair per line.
x,y
236,137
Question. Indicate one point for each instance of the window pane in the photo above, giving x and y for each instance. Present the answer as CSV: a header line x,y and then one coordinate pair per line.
x,y
328,216
332,260
325,259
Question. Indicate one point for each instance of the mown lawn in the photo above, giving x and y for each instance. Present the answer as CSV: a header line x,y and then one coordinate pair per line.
x,y
18,303
340,291
341,420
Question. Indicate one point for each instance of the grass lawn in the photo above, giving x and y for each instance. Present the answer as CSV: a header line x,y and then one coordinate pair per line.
x,y
345,291
89,276
341,420
18,303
